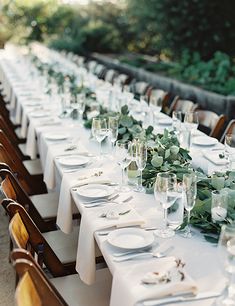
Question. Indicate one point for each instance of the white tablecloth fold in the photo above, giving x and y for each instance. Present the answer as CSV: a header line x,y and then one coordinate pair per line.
x,y
129,290
91,222
66,203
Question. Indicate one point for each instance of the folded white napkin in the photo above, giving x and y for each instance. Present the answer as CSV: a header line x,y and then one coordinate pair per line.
x,y
128,287
91,222
214,156
66,203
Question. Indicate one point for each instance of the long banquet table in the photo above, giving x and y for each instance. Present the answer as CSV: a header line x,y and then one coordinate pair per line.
x,y
201,259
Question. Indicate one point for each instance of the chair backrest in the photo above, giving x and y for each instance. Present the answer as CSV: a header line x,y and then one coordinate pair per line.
x,y
26,294
230,129
15,164
92,65
213,122
100,71
8,131
139,88
32,239
159,94
13,190
33,288
21,254
182,105
110,75
121,79
5,141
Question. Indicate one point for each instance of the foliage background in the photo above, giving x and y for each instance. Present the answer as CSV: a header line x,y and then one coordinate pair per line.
x,y
193,41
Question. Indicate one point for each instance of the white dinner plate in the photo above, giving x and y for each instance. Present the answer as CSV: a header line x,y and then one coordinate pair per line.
x,y
204,141
74,160
57,136
166,121
40,114
95,191
130,238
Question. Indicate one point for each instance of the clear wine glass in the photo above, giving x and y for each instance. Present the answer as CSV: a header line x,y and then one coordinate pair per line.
x,y
141,160
113,130
176,121
189,194
124,157
165,191
226,252
230,150
191,122
99,131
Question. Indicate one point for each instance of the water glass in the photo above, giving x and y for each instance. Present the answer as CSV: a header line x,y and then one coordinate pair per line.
x,y
156,105
191,122
175,213
113,130
226,252
81,101
189,198
176,121
230,150
124,155
165,191
218,206
99,130
141,160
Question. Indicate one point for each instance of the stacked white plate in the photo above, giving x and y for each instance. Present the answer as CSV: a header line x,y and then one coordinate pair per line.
x,y
74,161
204,141
56,136
95,191
130,238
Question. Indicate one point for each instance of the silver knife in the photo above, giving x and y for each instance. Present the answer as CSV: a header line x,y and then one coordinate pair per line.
x,y
166,301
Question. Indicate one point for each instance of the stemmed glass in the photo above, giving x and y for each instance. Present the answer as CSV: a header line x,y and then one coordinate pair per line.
x,y
141,160
191,123
230,150
189,193
99,130
226,252
113,130
124,158
165,190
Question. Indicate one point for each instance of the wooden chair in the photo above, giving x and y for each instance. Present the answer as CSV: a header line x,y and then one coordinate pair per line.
x,y
182,105
91,65
40,208
110,75
211,123
121,79
9,131
6,142
32,183
56,250
68,290
156,94
230,129
139,88
100,71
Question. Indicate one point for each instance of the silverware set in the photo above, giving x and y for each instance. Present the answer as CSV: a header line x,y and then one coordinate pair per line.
x,y
144,254
94,203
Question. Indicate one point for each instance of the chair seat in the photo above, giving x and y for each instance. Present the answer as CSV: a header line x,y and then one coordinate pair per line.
x,y
22,147
64,245
46,204
75,292
34,166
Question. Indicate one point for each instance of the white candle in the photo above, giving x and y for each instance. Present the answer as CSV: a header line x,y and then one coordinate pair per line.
x,y
218,213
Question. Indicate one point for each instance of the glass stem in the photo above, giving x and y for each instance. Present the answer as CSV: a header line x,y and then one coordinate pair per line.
x,y
140,183
165,217
100,149
123,176
188,222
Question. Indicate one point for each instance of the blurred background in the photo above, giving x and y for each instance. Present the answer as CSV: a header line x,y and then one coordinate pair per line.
x,y
192,41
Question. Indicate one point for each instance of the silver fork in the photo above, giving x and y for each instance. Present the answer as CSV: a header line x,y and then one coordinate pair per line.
x,y
144,254
93,204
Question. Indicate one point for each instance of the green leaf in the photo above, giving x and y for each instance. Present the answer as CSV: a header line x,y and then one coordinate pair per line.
x,y
126,121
